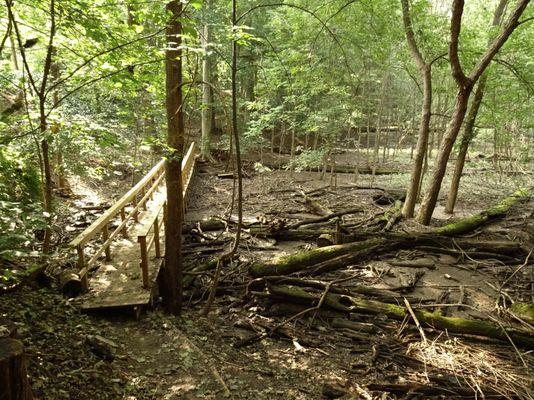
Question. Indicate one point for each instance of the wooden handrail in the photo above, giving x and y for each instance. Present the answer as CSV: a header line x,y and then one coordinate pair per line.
x,y
117,230
91,231
146,187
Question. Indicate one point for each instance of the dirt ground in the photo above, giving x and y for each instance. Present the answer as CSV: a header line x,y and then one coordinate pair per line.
x,y
196,357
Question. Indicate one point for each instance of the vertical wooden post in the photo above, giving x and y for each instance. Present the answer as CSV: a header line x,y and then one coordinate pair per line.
x,y
152,183
134,203
81,266
144,260
105,236
14,383
143,192
156,238
123,217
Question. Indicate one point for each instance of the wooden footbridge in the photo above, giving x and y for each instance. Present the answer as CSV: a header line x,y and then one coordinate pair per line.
x,y
120,254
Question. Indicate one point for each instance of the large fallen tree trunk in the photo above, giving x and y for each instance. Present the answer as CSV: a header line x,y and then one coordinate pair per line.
x,y
330,258
346,169
296,262
356,304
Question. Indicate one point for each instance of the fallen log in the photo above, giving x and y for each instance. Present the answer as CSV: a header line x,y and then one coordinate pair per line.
x,y
212,224
378,294
325,218
471,223
346,168
14,383
330,258
356,304
70,283
291,263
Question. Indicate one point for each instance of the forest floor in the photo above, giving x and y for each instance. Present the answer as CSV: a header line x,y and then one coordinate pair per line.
x,y
114,356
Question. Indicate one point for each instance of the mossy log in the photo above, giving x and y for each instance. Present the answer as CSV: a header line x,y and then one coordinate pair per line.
x,y
291,263
14,383
524,311
330,258
354,304
471,223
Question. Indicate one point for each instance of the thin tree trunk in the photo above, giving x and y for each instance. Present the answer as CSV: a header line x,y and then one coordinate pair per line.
x,y
464,145
469,127
172,270
14,59
425,71
422,144
430,199
47,187
207,92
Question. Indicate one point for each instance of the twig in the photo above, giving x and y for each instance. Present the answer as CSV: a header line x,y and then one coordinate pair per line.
x,y
417,324
263,335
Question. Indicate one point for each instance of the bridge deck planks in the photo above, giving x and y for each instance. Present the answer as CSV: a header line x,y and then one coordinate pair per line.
x,y
118,283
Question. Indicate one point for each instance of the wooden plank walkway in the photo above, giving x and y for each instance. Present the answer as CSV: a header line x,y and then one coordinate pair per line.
x,y
124,265
118,282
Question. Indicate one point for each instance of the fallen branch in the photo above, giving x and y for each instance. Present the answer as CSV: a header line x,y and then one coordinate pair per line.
x,y
357,304
325,218
471,223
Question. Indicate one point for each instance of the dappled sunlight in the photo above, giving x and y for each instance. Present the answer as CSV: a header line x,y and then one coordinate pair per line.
x,y
481,368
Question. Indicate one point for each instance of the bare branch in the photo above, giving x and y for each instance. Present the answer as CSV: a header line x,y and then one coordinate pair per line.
x,y
49,50
11,16
456,27
410,36
509,26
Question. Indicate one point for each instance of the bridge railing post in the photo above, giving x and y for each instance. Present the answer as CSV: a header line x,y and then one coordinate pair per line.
x,y
123,217
105,237
81,267
144,260
156,238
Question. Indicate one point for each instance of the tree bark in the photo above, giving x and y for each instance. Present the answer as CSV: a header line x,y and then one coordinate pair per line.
x,y
421,147
207,92
464,145
470,124
425,70
172,269
14,384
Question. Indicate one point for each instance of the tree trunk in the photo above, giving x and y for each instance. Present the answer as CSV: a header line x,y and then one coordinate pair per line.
x,y
469,127
207,91
172,270
464,145
14,384
422,144
431,196
47,182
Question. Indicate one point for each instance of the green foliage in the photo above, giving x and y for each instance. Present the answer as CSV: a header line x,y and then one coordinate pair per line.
x,y
19,179
309,159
